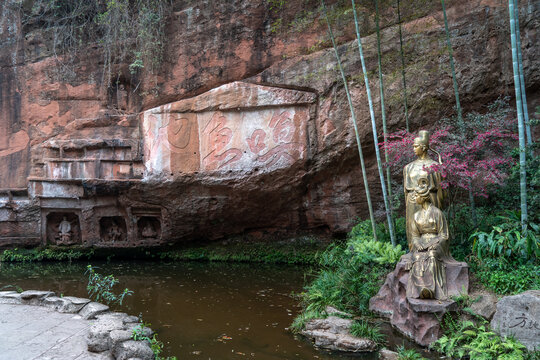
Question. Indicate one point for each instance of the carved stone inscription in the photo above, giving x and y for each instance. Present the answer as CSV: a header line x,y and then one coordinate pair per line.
x,y
265,139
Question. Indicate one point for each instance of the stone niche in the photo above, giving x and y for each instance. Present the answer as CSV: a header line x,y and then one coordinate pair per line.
x,y
235,127
63,228
148,228
113,229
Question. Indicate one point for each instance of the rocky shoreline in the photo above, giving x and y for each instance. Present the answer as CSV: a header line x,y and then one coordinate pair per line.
x,y
110,333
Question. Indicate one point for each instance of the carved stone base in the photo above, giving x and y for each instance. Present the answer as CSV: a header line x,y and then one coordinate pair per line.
x,y
417,318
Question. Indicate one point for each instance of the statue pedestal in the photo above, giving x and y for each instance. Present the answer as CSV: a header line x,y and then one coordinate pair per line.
x,y
418,319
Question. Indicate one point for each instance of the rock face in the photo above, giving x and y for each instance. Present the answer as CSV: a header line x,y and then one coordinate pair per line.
x,y
244,129
519,316
416,318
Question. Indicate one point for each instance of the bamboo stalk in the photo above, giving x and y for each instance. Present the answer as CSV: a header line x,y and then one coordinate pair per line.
x,y
521,128
383,109
522,78
353,117
403,69
374,128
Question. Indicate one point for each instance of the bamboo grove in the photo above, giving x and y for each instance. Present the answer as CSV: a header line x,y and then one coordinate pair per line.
x,y
525,135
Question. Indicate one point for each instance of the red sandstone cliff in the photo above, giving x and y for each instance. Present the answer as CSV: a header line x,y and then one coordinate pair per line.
x,y
244,129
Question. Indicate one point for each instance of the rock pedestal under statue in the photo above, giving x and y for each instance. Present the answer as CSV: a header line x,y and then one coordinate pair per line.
x,y
418,319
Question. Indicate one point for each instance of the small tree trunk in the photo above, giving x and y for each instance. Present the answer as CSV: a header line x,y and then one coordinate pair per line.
x,y
353,117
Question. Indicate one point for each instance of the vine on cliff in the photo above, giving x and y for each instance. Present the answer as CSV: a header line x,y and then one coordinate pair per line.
x,y
127,31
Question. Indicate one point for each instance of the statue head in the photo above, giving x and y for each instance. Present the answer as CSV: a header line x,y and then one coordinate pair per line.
x,y
421,143
421,191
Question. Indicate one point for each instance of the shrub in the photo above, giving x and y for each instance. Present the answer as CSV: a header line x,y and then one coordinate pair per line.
x,y
100,288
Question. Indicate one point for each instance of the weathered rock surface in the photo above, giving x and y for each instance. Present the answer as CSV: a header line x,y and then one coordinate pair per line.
x,y
92,309
35,297
111,330
65,304
416,318
10,297
385,354
133,349
485,306
333,333
270,152
519,316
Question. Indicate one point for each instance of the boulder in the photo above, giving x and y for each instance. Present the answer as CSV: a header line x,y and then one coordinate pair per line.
x,y
118,336
416,318
333,333
90,310
485,306
98,338
133,349
519,316
386,354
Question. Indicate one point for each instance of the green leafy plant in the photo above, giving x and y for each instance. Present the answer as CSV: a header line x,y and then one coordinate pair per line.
x,y
376,251
349,275
100,288
478,342
300,321
44,254
363,329
140,334
506,242
408,354
507,279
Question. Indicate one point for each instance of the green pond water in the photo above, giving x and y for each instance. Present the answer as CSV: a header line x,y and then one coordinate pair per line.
x,y
200,310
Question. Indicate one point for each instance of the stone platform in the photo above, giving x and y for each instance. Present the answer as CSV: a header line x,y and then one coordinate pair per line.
x,y
416,318
37,325
35,332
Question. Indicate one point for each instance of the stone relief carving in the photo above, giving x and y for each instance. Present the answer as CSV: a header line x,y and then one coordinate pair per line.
x,y
63,228
113,229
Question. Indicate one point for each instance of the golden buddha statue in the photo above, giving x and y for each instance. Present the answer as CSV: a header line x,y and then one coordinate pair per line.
x,y
412,172
429,248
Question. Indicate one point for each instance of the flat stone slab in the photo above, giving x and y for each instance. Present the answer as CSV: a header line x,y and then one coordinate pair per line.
x,y
36,332
92,309
67,304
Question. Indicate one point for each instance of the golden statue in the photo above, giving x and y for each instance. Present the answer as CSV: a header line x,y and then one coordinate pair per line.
x,y
430,250
412,172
